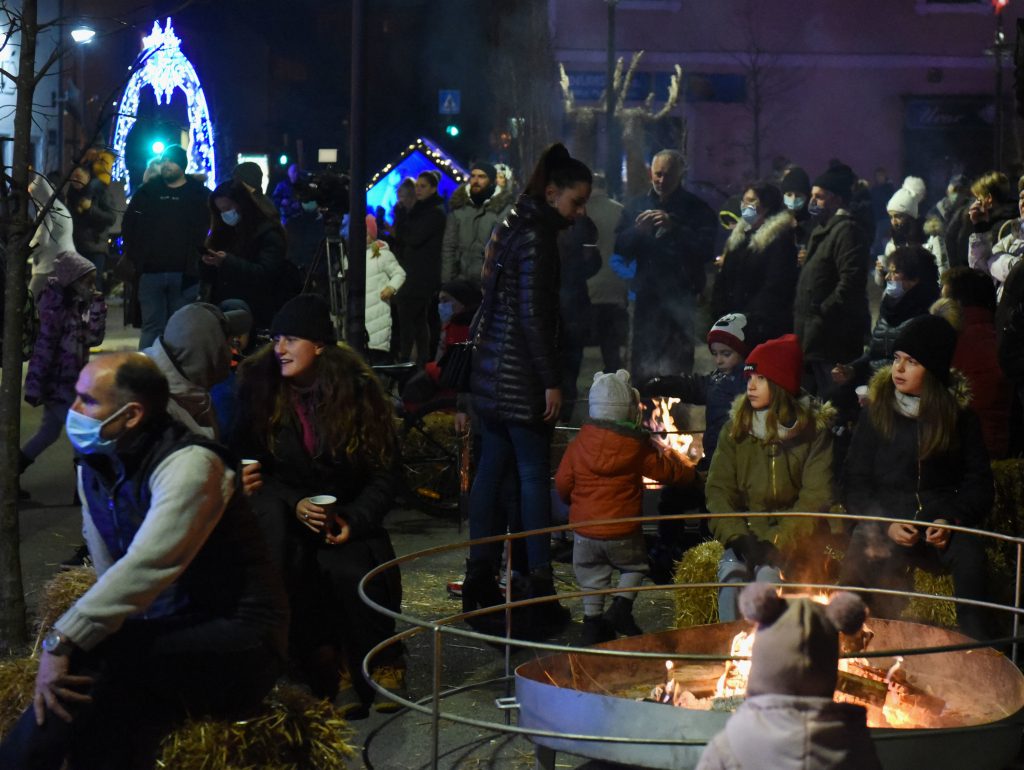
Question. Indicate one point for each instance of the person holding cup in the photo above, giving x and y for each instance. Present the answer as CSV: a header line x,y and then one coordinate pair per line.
x,y
319,426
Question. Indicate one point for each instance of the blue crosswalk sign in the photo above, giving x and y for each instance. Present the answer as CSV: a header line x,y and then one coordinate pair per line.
x,y
449,102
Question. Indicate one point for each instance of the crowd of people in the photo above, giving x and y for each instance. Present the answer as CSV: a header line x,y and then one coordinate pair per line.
x,y
235,474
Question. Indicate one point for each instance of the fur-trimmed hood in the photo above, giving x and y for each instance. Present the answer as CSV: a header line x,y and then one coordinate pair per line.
x,y
823,413
958,386
497,203
772,228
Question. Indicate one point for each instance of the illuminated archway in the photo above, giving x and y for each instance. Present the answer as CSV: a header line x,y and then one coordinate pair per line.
x,y
163,67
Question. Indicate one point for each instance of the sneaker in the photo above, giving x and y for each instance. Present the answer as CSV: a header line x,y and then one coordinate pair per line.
x,y
455,589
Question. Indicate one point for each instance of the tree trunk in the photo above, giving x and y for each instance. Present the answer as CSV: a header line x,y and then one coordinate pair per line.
x,y
13,631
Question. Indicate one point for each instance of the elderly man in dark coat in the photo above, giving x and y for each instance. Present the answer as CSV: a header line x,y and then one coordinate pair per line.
x,y
670,233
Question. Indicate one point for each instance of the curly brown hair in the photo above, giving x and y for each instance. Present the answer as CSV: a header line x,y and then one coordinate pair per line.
x,y
353,414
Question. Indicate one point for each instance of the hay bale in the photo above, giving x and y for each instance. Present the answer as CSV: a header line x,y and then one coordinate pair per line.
x,y
936,612
697,606
63,590
296,731
17,683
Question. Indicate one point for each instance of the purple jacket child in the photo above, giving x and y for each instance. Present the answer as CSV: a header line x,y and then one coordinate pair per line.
x,y
72,319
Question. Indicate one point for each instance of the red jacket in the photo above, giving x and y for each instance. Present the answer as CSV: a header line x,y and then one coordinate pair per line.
x,y
976,356
601,476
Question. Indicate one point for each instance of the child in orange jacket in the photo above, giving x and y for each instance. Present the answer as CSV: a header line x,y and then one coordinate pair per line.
x,y
601,477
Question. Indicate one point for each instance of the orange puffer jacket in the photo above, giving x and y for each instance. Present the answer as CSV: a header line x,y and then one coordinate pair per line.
x,y
601,476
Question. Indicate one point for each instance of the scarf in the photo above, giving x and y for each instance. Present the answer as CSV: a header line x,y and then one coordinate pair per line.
x,y
908,406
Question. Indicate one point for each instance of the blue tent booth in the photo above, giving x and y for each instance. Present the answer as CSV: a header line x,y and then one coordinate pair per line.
x,y
422,155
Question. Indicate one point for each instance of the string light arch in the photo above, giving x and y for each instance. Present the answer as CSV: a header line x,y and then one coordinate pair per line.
x,y
163,67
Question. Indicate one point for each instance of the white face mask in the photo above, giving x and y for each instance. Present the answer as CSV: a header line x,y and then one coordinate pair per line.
x,y
894,289
231,217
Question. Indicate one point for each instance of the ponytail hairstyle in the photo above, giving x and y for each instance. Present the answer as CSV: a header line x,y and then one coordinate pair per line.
x,y
556,166
432,176
783,412
936,420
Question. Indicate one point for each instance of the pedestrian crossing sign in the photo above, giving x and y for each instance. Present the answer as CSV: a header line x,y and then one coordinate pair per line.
x,y
449,102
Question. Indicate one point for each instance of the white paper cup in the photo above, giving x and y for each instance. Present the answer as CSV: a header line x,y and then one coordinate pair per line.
x,y
324,501
862,394
249,461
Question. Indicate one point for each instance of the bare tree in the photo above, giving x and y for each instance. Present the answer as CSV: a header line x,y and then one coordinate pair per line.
x,y
634,121
767,83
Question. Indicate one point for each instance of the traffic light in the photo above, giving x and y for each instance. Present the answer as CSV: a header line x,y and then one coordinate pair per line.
x,y
157,147
452,130
283,159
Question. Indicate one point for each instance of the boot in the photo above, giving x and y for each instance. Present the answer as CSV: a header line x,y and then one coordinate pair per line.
x,y
480,589
23,462
548,617
596,630
619,617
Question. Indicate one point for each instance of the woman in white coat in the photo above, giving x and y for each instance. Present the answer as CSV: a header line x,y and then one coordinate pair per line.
x,y
384,277
53,237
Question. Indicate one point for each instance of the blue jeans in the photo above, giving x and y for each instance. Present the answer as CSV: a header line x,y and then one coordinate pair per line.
x,y
160,296
733,570
505,448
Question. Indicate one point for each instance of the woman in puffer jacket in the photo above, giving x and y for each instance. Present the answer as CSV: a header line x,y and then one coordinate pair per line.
x,y
918,454
516,375
759,268
775,454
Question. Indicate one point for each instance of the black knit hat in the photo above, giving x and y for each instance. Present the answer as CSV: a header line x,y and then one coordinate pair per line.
x,y
176,154
464,291
929,340
307,316
487,168
796,181
839,180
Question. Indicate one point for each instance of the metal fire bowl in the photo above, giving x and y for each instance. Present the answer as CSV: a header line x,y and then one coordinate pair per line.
x,y
573,694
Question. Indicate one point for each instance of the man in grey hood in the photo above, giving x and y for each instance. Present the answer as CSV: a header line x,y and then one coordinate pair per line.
x,y
194,354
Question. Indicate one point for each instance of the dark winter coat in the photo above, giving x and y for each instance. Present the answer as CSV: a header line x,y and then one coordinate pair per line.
x,y
91,225
884,478
716,391
291,474
255,270
831,315
893,315
976,357
467,233
758,278
165,228
580,261
517,354
669,264
419,236
68,327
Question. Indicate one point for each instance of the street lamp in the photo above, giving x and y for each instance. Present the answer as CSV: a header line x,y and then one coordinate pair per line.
x,y
82,33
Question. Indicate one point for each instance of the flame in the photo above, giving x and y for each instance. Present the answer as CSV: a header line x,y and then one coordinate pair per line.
x,y
666,434
733,681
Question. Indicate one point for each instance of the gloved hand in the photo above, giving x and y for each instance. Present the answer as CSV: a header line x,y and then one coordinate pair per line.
x,y
668,385
745,547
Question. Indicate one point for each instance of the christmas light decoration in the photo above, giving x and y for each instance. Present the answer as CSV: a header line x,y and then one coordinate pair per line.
x,y
164,68
421,155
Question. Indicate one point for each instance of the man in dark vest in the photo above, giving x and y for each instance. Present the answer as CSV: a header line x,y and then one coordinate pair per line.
x,y
187,616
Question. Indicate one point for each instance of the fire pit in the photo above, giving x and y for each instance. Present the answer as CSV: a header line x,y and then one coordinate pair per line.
x,y
954,709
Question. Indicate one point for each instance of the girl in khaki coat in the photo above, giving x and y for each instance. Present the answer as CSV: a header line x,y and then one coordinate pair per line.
x,y
774,454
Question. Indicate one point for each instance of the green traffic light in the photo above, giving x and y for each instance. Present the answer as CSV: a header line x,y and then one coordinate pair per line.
x,y
452,130
283,159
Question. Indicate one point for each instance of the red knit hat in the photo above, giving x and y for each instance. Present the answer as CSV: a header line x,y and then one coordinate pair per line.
x,y
780,361
729,330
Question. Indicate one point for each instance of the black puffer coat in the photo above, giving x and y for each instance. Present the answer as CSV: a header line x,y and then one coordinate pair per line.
x,y
419,235
758,278
893,315
517,351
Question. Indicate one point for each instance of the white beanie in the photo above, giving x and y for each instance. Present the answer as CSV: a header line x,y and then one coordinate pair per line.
x,y
917,186
903,201
613,398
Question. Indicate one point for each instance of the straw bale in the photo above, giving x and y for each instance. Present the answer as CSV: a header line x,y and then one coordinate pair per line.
x,y
936,612
697,606
63,590
17,683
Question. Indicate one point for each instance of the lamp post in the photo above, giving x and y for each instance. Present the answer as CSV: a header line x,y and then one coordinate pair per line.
x,y
999,46
611,164
80,33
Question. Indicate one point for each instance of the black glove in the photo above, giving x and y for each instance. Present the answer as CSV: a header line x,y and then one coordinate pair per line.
x,y
755,552
745,547
669,385
768,555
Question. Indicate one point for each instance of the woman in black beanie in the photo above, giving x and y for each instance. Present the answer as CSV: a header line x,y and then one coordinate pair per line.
x,y
317,420
918,453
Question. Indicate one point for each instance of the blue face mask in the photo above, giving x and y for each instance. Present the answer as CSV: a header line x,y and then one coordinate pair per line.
x,y
445,310
894,289
814,209
794,203
309,206
749,214
84,433
231,218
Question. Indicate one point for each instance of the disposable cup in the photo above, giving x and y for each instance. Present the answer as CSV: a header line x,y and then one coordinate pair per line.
x,y
249,461
327,502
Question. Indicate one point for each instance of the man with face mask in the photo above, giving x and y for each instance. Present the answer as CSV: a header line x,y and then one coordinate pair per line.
x,y
165,227
831,315
470,223
187,617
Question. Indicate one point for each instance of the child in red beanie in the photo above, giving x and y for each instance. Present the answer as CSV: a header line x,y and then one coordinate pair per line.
x,y
774,454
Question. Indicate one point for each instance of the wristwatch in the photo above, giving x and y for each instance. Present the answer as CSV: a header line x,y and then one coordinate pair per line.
x,y
57,643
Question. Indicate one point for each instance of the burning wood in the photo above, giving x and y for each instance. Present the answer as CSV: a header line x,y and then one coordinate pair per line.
x,y
663,426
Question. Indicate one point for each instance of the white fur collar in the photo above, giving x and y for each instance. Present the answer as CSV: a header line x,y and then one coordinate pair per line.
x,y
770,229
